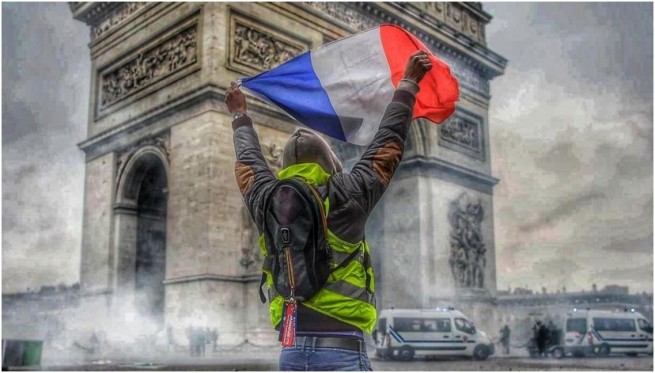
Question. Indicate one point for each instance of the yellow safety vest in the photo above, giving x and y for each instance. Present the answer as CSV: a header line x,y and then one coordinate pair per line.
x,y
346,296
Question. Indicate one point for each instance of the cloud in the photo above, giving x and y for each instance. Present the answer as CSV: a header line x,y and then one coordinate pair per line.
x,y
45,102
571,140
563,209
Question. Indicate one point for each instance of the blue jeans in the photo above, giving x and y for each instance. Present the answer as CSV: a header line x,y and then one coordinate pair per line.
x,y
307,357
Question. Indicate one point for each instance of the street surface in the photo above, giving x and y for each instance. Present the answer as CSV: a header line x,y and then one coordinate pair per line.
x,y
518,363
249,358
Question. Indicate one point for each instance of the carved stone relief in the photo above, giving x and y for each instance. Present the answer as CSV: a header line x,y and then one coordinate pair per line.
x,y
148,67
462,133
255,47
250,253
454,16
115,18
467,251
344,14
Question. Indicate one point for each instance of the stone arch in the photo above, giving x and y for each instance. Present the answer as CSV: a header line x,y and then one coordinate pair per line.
x,y
140,215
131,172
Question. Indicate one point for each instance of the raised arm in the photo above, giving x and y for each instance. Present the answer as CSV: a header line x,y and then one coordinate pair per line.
x,y
371,175
252,172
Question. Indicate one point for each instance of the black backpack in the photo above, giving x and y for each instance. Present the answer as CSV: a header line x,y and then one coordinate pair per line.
x,y
295,233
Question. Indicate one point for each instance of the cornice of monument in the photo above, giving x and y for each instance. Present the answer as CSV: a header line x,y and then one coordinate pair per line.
x,y
455,43
419,22
92,12
431,166
476,9
208,97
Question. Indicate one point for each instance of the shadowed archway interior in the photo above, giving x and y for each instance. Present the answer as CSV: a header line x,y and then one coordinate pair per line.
x,y
150,265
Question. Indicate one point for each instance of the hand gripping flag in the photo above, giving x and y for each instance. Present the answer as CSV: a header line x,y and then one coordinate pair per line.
x,y
342,89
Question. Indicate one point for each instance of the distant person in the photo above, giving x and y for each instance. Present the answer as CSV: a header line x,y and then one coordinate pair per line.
x,y
189,335
504,338
541,337
195,341
553,334
202,340
214,336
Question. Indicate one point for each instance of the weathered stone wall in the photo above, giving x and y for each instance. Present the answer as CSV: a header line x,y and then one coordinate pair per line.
x,y
416,246
97,227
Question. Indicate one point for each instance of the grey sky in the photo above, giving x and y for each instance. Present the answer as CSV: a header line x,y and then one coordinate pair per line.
x,y
571,140
45,94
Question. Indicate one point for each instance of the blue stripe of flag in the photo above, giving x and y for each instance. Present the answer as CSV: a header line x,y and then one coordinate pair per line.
x,y
295,88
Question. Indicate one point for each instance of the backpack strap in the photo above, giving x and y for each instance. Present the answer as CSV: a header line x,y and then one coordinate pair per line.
x,y
368,264
266,268
346,261
262,297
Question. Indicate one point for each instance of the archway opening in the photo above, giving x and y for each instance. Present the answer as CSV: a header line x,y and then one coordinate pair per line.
x,y
150,264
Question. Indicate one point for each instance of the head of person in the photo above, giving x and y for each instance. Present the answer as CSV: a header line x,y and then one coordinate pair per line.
x,y
306,146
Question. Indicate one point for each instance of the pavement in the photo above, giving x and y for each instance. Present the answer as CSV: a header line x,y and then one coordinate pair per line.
x,y
257,358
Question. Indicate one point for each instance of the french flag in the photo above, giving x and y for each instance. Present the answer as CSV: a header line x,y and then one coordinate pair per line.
x,y
342,89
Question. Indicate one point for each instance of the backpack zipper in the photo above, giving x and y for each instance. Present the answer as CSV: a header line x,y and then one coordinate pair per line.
x,y
292,279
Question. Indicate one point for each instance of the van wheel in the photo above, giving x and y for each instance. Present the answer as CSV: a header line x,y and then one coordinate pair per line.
x,y
558,353
578,354
604,350
406,353
480,353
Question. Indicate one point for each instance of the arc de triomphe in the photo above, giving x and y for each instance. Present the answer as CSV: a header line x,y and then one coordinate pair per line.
x,y
164,230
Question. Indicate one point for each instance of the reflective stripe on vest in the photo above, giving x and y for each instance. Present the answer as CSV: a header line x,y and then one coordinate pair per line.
x,y
345,296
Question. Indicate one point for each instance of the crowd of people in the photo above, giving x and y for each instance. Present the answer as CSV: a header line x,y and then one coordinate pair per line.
x,y
199,338
545,336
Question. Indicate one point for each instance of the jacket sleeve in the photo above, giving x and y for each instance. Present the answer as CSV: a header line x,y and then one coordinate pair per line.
x,y
371,175
254,178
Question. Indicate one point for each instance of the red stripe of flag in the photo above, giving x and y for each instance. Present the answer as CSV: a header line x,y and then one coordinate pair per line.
x,y
439,89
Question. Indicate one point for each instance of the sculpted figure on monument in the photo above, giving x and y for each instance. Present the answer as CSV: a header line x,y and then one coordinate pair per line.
x,y
259,50
467,256
461,132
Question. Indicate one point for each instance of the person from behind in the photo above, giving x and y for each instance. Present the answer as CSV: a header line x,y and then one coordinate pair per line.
x,y
328,329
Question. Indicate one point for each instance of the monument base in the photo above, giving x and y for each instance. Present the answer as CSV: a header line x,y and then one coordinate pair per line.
x,y
476,303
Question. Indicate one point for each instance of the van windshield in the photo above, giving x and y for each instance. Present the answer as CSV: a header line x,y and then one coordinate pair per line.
x,y
645,325
576,325
464,325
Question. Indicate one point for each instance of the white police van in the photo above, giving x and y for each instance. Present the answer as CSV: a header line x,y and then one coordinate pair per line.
x,y
595,332
405,333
